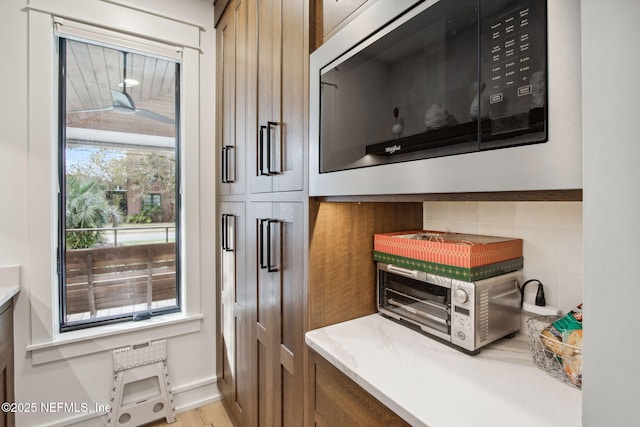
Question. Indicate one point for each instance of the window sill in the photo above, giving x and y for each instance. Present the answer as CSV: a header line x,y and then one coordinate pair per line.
x,y
109,337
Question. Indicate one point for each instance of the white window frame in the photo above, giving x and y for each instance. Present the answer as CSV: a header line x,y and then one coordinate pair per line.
x,y
106,20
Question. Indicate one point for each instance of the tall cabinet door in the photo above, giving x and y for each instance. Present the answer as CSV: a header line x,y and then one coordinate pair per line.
x,y
282,49
233,101
279,323
290,345
235,302
292,104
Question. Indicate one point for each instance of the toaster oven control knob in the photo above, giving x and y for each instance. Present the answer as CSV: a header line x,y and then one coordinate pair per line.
x,y
460,296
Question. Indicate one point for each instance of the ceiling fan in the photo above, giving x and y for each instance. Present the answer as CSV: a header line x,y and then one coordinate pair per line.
x,y
121,102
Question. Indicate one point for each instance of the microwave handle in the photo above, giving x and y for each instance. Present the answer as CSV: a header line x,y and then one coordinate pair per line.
x,y
403,271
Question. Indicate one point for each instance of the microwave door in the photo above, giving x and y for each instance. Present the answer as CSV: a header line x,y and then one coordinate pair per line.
x,y
403,93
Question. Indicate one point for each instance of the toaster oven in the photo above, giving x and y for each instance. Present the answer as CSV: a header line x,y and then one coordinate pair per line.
x,y
467,315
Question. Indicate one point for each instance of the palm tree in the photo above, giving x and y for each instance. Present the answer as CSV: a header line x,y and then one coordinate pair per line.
x,y
87,207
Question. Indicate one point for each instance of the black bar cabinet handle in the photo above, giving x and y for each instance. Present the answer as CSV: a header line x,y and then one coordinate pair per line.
x,y
269,124
230,149
226,241
266,240
261,151
270,269
226,150
262,240
223,232
224,164
231,240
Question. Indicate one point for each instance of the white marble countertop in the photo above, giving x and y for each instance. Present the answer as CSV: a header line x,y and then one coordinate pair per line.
x,y
9,282
430,384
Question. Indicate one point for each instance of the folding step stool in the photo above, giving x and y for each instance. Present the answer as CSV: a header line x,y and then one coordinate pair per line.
x,y
141,389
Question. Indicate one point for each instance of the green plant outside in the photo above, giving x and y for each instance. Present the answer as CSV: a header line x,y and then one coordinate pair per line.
x,y
145,216
87,207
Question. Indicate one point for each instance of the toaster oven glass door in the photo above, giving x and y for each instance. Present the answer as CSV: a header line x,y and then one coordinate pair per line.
x,y
414,300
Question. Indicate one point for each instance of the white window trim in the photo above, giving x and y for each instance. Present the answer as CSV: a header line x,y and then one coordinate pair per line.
x,y
77,31
47,343
108,337
124,20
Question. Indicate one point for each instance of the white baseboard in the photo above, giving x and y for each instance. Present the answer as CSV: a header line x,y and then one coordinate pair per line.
x,y
185,397
198,393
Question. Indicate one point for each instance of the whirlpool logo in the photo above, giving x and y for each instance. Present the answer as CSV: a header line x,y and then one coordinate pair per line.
x,y
393,149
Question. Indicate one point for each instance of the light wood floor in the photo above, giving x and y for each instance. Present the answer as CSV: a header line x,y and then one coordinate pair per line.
x,y
211,415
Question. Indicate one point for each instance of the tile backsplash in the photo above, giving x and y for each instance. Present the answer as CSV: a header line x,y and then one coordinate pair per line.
x,y
551,233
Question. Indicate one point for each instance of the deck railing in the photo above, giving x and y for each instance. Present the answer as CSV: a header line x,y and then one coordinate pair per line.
x,y
112,277
158,233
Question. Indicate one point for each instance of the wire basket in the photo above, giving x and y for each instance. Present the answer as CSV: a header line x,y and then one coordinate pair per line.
x,y
558,359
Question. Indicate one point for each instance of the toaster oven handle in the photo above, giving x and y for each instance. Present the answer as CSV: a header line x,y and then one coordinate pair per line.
x,y
403,271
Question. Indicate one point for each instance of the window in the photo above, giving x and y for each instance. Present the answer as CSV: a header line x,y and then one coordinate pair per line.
x,y
152,200
119,252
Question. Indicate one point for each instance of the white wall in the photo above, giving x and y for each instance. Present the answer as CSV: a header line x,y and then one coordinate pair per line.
x,y
611,148
88,378
551,233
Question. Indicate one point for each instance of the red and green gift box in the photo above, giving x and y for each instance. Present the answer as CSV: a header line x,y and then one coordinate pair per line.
x,y
462,256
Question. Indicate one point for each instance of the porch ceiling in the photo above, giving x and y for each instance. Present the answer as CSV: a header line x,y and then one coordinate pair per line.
x,y
94,71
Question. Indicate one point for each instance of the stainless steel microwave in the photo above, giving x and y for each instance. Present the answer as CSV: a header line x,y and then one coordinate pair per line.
x,y
410,80
450,77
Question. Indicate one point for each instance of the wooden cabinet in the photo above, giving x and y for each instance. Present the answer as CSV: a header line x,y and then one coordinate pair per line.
x,y
338,401
276,162
218,9
235,300
262,68
6,362
261,134
262,302
232,97
279,265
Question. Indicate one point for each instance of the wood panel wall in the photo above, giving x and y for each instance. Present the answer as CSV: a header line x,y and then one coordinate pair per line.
x,y
342,273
